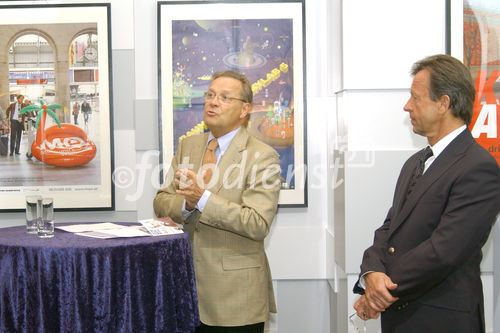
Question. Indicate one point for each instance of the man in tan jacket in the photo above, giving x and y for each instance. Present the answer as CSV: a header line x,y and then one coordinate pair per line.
x,y
229,216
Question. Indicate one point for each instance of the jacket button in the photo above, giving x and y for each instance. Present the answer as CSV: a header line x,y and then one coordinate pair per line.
x,y
391,250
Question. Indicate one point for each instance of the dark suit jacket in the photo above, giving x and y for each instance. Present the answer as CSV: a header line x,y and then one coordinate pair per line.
x,y
86,107
12,108
436,238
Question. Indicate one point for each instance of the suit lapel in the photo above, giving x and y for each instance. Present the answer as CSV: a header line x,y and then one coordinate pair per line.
x,y
197,150
452,153
233,155
402,186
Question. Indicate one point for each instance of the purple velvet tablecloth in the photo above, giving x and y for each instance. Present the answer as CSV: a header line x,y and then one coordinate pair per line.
x,y
72,283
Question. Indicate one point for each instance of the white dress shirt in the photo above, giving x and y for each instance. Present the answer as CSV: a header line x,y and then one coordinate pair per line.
x,y
441,145
15,116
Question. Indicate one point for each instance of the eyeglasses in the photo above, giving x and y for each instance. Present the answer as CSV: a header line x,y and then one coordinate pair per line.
x,y
209,95
355,325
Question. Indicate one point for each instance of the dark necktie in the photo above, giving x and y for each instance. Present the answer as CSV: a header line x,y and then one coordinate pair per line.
x,y
419,169
210,158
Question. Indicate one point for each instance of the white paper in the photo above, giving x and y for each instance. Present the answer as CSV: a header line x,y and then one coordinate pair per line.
x,y
106,230
95,234
88,227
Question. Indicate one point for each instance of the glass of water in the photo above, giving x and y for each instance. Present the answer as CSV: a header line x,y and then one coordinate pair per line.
x,y
356,324
33,209
46,222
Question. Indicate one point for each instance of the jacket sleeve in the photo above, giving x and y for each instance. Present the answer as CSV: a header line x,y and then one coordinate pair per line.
x,y
167,202
8,111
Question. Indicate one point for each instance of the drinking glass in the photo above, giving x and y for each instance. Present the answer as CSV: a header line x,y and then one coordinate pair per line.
x,y
33,203
46,222
356,324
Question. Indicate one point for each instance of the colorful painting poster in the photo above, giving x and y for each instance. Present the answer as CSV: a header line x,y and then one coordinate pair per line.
x,y
267,50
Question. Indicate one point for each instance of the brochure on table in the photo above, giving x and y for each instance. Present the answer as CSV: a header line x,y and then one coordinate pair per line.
x,y
149,227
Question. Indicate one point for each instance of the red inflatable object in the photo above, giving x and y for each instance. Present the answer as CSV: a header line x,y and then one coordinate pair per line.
x,y
65,146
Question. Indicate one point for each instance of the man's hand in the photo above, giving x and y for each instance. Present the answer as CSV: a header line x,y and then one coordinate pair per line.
x,y
377,293
363,310
186,182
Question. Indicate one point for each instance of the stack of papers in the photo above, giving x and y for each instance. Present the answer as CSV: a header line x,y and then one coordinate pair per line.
x,y
161,226
149,227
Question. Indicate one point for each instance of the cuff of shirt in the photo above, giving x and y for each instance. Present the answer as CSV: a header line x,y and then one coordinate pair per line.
x,y
362,282
203,200
200,205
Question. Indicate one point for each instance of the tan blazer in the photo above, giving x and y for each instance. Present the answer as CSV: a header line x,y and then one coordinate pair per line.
x,y
232,272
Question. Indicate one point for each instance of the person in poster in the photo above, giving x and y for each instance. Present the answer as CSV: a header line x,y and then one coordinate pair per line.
x,y
16,124
87,110
76,111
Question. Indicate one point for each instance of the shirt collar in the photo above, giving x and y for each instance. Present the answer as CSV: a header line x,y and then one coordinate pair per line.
x,y
224,140
444,142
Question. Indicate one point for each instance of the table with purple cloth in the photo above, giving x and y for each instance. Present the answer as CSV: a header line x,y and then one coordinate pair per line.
x,y
73,283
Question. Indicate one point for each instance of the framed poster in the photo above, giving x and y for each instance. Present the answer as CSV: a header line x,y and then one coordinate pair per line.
x,y
56,60
263,40
474,38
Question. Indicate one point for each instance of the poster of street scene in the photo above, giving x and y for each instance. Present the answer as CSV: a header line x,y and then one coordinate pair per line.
x,y
262,40
55,110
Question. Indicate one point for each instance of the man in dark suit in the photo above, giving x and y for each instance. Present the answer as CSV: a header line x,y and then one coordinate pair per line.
x,y
227,207
422,271
86,109
16,124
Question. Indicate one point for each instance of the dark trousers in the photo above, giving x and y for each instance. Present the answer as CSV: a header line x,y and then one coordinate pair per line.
x,y
254,328
16,131
76,119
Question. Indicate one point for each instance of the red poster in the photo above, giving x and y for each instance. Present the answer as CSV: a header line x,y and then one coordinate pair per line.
x,y
485,125
482,57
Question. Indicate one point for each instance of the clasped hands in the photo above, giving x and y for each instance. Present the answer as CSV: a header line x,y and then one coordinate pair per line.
x,y
377,297
186,182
